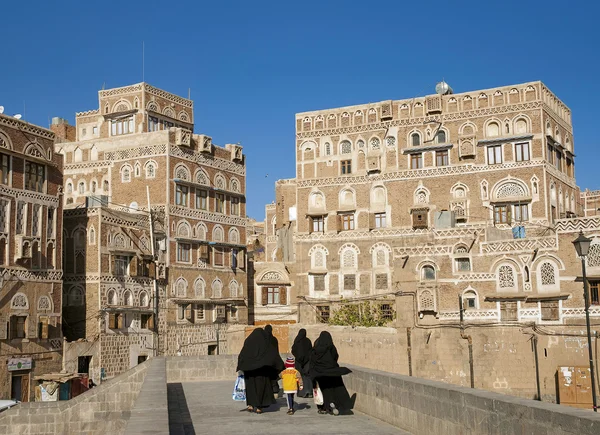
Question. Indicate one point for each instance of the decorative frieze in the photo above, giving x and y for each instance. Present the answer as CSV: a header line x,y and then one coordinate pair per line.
x,y
207,160
422,251
9,121
136,152
28,195
470,315
207,216
33,275
578,224
520,245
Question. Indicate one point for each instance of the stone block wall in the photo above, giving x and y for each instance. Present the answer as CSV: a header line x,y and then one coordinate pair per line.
x,y
101,410
422,406
201,368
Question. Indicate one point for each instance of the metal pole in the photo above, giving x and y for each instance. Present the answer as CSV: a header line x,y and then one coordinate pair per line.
x,y
589,333
218,329
534,341
155,281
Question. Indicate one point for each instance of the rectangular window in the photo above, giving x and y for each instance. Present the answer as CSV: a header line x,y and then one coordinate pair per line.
x,y
181,195
381,281
21,211
502,214
218,257
595,292
201,199
17,326
386,311
181,311
121,265
4,169
346,167
36,220
323,313
121,126
318,224
558,160
380,220
463,264
569,164
522,152
441,158
219,203
95,131
167,125
494,154
273,295
550,154
146,321
348,221
183,252
319,281
521,213
235,206
153,124
35,177
416,161
350,282
220,312
50,223
199,311
4,216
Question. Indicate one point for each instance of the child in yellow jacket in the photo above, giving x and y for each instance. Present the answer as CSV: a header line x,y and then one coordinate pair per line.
x,y
291,379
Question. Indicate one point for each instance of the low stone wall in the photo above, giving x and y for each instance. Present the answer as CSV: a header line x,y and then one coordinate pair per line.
x,y
201,368
422,406
101,410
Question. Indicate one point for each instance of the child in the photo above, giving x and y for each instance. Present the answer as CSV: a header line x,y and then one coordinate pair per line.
x,y
291,379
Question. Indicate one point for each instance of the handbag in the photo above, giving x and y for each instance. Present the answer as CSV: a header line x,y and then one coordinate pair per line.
x,y
318,395
239,389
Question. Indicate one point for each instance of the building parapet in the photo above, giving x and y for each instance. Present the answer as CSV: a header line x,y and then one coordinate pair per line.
x,y
574,225
520,245
18,124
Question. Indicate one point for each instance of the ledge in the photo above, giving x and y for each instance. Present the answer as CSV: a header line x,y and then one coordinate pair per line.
x,y
420,149
501,140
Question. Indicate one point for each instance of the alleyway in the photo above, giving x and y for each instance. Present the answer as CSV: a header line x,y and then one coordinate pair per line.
x,y
207,408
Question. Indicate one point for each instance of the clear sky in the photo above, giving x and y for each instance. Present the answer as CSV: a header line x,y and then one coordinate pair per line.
x,y
251,65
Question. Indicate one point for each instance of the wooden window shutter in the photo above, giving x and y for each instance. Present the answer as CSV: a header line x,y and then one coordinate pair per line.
x,y
152,269
119,320
283,295
112,264
134,266
265,295
112,321
310,224
43,333
188,312
32,327
241,259
151,321
371,221
3,327
509,214
204,252
339,223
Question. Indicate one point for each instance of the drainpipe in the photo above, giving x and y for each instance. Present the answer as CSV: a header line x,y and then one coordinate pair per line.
x,y
469,341
534,343
409,351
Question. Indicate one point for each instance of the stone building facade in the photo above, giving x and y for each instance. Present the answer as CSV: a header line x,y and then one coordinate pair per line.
x,y
590,200
137,177
30,256
414,203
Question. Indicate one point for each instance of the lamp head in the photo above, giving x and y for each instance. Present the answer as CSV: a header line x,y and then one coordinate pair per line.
x,y
582,245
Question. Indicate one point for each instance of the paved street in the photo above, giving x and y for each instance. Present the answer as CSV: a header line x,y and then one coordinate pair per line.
x,y
207,408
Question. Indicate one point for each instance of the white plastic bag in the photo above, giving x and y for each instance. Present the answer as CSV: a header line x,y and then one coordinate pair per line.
x,y
239,389
318,395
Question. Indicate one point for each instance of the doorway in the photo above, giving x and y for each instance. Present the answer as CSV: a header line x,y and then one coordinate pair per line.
x,y
142,358
19,387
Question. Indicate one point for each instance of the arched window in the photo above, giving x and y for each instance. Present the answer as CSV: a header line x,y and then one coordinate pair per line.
x,y
181,288
112,297
547,274
415,139
137,169
234,236
593,257
199,288
128,298
462,259
217,289
318,257
105,186
440,137
19,302
217,234
233,289
316,201
327,149
348,258
345,147
69,188
93,186
493,129
44,304
470,300
126,174
427,273
347,198
506,278
81,187
94,153
520,126
144,299
78,155
150,170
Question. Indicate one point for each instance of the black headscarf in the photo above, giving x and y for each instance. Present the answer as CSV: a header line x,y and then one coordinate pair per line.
x,y
272,338
301,349
258,352
324,357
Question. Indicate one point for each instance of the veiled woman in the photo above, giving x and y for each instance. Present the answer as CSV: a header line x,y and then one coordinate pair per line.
x,y
260,362
301,351
273,340
327,373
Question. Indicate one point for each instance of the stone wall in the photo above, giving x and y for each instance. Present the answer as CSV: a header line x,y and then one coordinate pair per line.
x,y
503,359
101,410
421,406
201,368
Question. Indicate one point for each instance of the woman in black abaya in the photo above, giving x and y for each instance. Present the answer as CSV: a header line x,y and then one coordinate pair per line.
x,y
260,363
301,351
275,343
327,373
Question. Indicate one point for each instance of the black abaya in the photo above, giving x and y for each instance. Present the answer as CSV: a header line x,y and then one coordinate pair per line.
x,y
259,393
301,351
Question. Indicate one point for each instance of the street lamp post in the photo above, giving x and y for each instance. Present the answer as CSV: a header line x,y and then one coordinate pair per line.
x,y
582,246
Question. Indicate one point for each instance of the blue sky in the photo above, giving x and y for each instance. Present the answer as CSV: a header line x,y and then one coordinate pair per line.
x,y
252,65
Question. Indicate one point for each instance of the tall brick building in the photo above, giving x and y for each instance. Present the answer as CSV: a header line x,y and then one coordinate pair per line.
x,y
140,140
413,203
30,256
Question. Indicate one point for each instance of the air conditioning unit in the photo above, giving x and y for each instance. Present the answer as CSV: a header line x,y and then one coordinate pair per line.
x,y
183,137
373,164
204,144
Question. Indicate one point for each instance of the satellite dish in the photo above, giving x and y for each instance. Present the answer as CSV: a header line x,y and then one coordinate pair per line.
x,y
443,88
17,116
1,109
